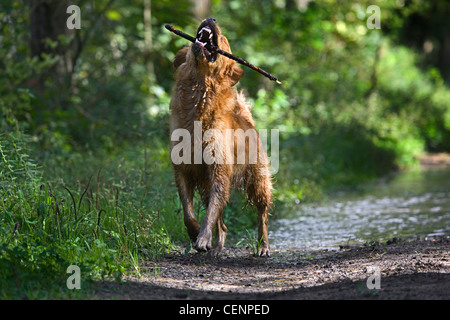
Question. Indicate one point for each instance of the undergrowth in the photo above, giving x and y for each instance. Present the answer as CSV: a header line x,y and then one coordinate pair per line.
x,y
104,212
104,224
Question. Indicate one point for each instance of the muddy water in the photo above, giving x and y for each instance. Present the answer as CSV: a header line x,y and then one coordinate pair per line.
x,y
413,203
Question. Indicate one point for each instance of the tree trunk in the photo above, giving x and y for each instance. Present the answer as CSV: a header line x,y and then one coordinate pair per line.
x,y
47,21
148,39
444,57
47,24
201,8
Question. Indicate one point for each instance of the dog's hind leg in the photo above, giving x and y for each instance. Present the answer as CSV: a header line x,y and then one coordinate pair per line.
x,y
263,231
259,192
186,191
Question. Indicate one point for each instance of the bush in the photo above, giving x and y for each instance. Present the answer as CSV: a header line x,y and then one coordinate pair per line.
x,y
45,227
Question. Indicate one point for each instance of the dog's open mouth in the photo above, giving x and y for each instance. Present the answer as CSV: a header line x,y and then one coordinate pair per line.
x,y
206,41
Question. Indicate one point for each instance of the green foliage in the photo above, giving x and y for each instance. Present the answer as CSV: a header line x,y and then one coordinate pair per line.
x,y
45,227
353,105
85,173
251,241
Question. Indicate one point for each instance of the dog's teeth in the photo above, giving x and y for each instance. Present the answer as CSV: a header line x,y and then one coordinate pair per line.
x,y
210,36
206,29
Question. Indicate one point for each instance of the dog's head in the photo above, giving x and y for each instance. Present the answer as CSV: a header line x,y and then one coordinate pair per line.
x,y
202,57
209,35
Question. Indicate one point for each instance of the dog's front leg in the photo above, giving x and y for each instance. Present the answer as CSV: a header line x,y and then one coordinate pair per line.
x,y
209,221
217,200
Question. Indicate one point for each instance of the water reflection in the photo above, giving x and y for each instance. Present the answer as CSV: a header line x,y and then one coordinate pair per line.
x,y
410,203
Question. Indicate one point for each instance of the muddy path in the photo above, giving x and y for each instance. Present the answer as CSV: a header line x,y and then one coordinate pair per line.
x,y
398,269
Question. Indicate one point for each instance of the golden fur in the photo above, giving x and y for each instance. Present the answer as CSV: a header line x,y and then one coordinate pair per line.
x,y
204,92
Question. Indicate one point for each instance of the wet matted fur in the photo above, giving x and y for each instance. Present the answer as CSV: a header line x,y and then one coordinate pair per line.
x,y
204,92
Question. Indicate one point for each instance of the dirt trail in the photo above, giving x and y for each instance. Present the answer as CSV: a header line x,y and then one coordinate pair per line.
x,y
402,269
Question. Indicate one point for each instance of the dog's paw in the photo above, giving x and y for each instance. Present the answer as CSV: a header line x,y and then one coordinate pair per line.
x,y
264,251
214,253
203,243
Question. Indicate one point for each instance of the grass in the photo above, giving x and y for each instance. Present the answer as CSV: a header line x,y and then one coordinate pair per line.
x,y
104,212
251,241
105,222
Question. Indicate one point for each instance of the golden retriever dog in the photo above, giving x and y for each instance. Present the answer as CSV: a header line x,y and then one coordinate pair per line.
x,y
206,106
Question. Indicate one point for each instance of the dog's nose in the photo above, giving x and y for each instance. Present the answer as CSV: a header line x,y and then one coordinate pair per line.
x,y
211,20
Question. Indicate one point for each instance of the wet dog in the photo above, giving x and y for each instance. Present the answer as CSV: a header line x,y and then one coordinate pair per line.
x,y
205,102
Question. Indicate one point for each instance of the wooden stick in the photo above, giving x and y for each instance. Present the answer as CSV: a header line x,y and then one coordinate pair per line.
x,y
226,54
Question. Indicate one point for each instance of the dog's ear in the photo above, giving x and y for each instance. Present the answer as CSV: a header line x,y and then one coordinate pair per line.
x,y
236,74
180,57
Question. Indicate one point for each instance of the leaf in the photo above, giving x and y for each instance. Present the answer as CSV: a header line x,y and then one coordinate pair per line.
x,y
113,15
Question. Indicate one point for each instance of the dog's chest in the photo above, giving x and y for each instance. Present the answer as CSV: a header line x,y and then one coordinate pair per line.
x,y
200,98
198,105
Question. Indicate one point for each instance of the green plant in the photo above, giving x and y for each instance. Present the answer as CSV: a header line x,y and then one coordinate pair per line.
x,y
47,226
251,241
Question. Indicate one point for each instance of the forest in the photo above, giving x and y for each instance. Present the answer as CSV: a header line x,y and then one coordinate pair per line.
x,y
85,171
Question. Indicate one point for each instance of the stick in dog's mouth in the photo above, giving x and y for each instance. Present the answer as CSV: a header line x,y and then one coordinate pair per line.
x,y
206,39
